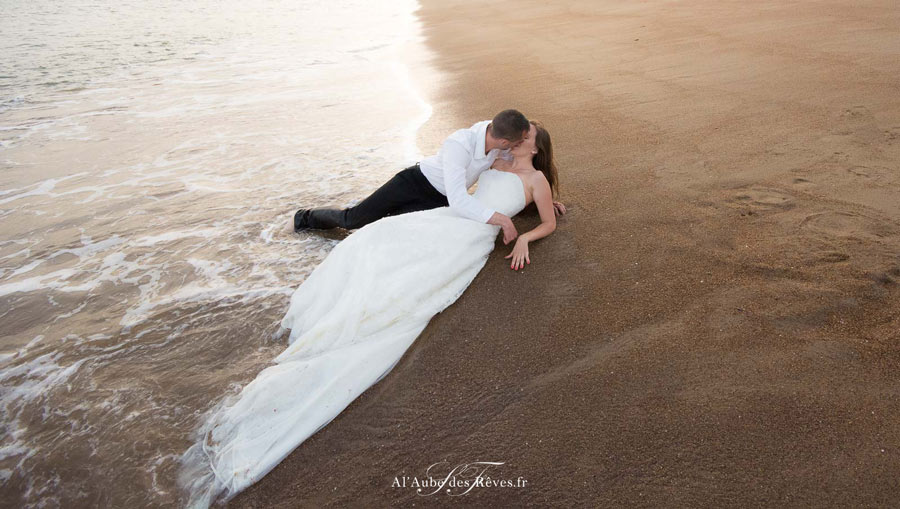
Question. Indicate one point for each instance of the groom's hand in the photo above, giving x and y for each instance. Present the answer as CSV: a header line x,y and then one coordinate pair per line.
x,y
509,230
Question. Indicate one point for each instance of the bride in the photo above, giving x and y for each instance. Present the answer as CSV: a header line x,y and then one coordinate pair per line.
x,y
356,314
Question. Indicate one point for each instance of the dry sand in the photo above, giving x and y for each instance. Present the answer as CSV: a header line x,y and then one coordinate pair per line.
x,y
716,321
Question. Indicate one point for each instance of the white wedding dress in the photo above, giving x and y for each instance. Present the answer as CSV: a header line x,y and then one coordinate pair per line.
x,y
351,321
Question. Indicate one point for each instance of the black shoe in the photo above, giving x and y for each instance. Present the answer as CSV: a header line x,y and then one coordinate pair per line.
x,y
318,219
301,220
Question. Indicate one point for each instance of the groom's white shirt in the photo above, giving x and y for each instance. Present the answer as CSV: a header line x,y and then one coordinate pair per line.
x,y
457,166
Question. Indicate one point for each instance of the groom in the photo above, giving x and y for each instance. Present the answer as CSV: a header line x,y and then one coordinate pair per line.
x,y
438,181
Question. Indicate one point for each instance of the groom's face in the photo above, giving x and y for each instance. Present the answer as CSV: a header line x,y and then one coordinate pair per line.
x,y
527,144
510,145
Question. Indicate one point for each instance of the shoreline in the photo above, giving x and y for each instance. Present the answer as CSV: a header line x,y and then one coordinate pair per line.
x,y
715,319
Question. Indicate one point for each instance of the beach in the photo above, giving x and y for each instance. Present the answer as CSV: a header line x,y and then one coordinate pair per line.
x,y
715,321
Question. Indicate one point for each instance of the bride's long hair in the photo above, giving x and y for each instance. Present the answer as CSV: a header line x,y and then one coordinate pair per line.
x,y
543,160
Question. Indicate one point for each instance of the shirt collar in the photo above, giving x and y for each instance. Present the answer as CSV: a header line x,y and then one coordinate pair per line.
x,y
479,142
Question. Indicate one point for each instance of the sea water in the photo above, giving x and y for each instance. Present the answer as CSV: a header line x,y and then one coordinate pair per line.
x,y
152,155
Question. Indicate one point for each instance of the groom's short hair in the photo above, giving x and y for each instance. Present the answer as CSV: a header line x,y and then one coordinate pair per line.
x,y
509,125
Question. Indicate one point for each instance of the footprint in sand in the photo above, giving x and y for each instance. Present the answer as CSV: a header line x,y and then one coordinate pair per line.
x,y
759,198
871,173
848,225
802,183
856,112
883,278
831,351
834,257
827,256
892,135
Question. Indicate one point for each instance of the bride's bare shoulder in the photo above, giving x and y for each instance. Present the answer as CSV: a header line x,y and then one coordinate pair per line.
x,y
537,177
538,184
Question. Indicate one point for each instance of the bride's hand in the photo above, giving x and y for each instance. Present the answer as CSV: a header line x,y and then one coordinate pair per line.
x,y
519,255
559,208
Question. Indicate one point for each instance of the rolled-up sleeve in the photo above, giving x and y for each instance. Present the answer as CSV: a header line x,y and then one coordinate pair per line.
x,y
454,158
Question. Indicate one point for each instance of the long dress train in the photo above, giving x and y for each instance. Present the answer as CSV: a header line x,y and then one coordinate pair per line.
x,y
351,321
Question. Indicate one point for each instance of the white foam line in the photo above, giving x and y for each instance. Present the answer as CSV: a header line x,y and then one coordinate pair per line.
x,y
87,249
21,351
41,188
401,67
42,373
25,252
70,313
411,148
192,293
151,240
44,188
22,384
52,279
37,282
95,190
22,270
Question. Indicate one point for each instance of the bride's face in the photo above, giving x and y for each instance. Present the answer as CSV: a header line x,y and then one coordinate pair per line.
x,y
526,148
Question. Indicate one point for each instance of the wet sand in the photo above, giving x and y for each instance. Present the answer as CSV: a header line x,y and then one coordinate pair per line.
x,y
716,321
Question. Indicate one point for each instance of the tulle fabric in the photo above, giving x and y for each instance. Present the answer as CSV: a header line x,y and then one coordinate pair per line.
x,y
351,321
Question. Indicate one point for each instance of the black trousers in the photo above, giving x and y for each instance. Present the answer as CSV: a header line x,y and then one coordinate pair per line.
x,y
407,191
